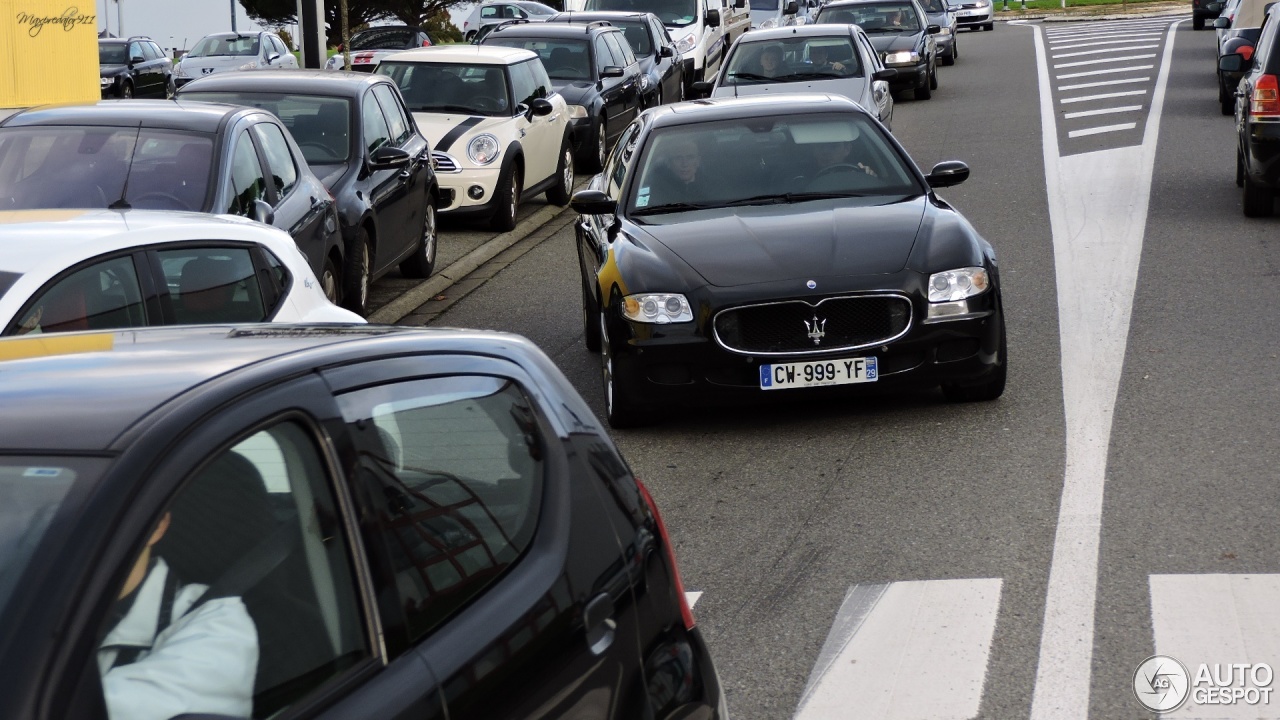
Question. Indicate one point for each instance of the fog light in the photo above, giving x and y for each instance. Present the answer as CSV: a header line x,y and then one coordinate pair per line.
x,y
475,192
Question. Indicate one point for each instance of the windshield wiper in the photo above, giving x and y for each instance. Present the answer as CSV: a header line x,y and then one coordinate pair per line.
x,y
669,208
792,197
886,29
811,76
752,76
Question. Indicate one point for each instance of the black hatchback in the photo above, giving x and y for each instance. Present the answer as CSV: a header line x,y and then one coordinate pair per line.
x,y
1258,119
356,134
594,69
326,522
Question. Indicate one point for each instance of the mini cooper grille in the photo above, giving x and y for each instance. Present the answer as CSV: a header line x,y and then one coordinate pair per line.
x,y
444,163
789,327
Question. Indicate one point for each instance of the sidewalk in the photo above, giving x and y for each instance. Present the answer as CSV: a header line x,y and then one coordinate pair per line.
x,y
1091,12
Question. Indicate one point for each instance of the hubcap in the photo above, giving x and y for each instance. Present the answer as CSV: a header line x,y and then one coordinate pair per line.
x,y
329,284
568,171
600,142
429,234
364,276
606,364
515,196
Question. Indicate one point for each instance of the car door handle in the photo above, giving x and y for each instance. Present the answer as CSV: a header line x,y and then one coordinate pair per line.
x,y
597,619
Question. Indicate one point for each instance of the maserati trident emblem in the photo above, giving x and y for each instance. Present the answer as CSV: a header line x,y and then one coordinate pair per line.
x,y
816,328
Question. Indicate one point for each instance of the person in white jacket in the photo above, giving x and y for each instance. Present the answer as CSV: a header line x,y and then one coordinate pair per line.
x,y
172,651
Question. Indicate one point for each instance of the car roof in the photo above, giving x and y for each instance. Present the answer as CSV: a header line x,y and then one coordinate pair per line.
x,y
549,29
729,108
302,82
253,33
847,3
585,16
823,30
473,54
169,114
34,238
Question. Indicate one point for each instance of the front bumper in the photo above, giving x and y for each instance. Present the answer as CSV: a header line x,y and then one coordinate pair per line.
x,y
582,134
982,18
910,76
454,186
179,81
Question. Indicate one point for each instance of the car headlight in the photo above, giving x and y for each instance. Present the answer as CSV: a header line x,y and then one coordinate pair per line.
x,y
949,291
251,65
686,43
657,308
903,57
107,82
483,149
179,71
944,31
577,112
768,24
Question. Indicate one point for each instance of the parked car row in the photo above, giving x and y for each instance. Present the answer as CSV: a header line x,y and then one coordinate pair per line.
x,y
1248,69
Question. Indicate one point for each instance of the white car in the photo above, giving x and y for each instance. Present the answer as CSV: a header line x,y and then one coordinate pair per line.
x,y
67,270
498,131
221,52
496,11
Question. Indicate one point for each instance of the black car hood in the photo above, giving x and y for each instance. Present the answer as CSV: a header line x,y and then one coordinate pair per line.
x,y
824,238
111,70
891,42
574,92
329,174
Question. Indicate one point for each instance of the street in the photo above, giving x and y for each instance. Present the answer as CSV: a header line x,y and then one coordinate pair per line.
x,y
1018,558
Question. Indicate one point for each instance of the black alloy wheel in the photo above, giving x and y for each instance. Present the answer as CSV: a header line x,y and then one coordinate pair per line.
x,y
355,289
993,386
126,90
507,201
169,89
423,261
559,193
620,408
602,145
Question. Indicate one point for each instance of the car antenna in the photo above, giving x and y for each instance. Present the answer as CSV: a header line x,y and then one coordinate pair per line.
x,y
123,204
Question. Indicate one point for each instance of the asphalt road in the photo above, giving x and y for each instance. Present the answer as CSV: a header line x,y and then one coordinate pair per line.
x,y
778,512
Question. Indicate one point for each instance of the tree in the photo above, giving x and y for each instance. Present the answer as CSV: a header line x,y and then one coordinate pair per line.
x,y
280,12
424,13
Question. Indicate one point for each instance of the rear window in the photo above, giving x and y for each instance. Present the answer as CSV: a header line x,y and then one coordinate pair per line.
x,y
874,17
383,39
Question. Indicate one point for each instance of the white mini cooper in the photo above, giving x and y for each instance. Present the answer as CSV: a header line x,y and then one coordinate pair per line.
x,y
498,132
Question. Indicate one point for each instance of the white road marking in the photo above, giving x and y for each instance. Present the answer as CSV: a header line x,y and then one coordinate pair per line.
x,y
1104,83
1058,39
1130,48
692,597
1217,619
1102,111
1097,28
1101,96
1102,129
1112,71
1145,37
913,650
1098,212
1079,63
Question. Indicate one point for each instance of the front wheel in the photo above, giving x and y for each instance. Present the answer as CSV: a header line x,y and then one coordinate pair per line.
x,y
355,290
989,26
126,90
620,409
560,192
592,159
329,281
507,199
423,261
591,323
933,78
925,90
170,89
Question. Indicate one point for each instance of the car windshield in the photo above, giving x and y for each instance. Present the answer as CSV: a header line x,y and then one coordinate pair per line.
x,y
672,13
320,125
768,160
69,166
31,491
384,39
792,59
637,36
765,4
537,8
113,54
563,59
451,87
224,45
873,17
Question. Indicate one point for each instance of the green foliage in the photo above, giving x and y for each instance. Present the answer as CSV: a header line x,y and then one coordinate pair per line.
x,y
431,14
442,29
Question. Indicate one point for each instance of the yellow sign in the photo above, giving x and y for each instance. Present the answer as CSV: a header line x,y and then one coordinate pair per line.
x,y
28,347
48,52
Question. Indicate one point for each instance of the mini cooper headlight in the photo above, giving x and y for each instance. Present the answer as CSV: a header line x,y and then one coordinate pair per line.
x,y
483,149
949,291
904,57
657,308
577,112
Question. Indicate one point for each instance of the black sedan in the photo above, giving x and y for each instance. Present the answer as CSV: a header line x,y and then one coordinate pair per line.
x,y
662,77
1258,119
327,522
900,32
167,155
785,246
593,69
136,67
358,137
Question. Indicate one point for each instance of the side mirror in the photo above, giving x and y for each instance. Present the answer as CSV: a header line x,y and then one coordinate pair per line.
x,y
934,29
948,173
273,57
592,202
791,8
885,74
262,212
666,52
702,88
540,107
740,3
137,60
388,158
1222,22
713,18
1232,63
611,71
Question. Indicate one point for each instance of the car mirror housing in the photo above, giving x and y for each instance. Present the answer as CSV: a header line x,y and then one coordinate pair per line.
x,y
262,212
791,8
702,88
592,202
713,18
388,158
885,74
934,29
1232,63
611,71
666,52
273,57
137,60
948,173
1222,22
540,107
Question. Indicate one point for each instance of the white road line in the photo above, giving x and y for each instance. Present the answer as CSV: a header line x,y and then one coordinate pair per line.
x,y
1103,83
1098,36
1217,619
1103,32
1101,129
692,597
1079,63
1103,111
1097,212
1121,41
1102,51
1101,96
912,650
1106,27
1112,71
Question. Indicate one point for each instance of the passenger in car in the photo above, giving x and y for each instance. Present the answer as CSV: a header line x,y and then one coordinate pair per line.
x,y
770,61
818,55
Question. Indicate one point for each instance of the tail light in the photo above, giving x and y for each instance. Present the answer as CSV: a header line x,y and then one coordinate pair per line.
x,y
1246,52
426,43
1265,101
686,612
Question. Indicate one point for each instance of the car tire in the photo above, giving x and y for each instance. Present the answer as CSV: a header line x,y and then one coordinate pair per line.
x,y
331,282
593,161
423,261
170,89
955,46
950,57
1259,200
560,192
1227,99
990,388
933,77
469,37
924,91
355,274
126,90
989,26
1239,170
507,198
1197,23
621,410
590,319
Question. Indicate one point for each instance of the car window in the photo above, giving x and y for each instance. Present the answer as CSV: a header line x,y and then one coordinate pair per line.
x,y
564,59
391,109
621,50
540,77
242,599
376,132
226,45
637,34
455,467
874,17
102,296
451,87
523,85
212,285
112,54
247,182
490,11
284,169
320,125
620,159
135,51
604,56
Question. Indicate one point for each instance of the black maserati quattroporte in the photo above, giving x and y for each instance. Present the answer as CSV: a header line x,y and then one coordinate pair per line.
x,y
756,247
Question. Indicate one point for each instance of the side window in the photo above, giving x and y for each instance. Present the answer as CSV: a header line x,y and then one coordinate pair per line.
x,y
659,33
135,50
870,53
540,78
522,81
284,170
242,600
102,296
247,182
620,47
213,285
604,56
620,160
454,466
398,124
491,11
376,132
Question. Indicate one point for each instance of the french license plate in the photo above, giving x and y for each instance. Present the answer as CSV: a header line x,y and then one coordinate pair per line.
x,y
818,373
